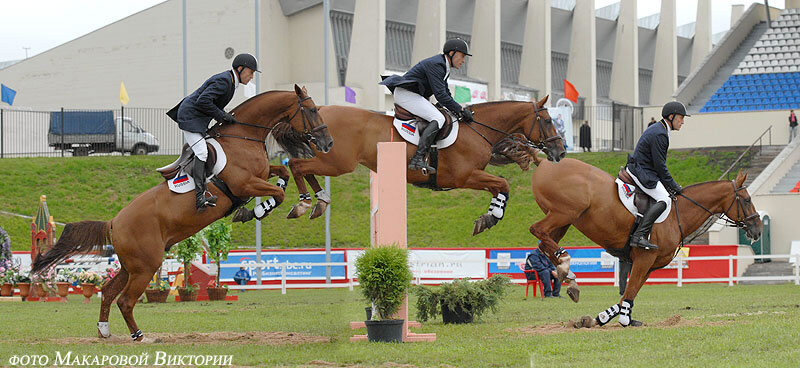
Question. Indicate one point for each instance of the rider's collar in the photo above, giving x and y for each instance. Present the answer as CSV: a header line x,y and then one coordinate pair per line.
x,y
235,79
667,125
447,66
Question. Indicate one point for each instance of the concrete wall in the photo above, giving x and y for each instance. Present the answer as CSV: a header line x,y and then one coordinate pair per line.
x,y
727,129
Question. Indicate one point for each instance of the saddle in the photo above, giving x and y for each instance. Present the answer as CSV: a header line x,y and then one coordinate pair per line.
x,y
641,200
184,161
403,114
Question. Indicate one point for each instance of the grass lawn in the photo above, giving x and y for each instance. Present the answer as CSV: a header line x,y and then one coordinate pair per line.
x,y
96,188
719,326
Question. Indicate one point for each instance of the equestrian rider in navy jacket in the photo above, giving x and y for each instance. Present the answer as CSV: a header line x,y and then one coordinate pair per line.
x,y
648,167
195,111
429,77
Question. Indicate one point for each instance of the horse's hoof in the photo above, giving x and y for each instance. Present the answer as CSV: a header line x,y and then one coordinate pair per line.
x,y
483,223
635,323
243,215
148,340
319,209
100,335
299,209
574,293
584,322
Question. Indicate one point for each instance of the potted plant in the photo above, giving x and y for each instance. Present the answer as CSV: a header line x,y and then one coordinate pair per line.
x,y
88,280
384,277
462,300
64,280
218,236
45,283
159,293
185,252
23,282
8,276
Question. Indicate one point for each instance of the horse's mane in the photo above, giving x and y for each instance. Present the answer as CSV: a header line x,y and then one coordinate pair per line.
x,y
254,98
293,142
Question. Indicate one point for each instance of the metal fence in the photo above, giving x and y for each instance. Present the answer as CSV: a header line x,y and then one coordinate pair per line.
x,y
25,133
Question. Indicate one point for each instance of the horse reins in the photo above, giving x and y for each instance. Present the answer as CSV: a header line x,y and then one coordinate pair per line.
x,y
537,121
739,210
300,108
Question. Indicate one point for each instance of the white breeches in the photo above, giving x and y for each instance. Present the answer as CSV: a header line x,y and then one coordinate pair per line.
x,y
418,105
659,193
197,143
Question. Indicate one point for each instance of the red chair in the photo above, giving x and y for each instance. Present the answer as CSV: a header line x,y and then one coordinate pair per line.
x,y
535,282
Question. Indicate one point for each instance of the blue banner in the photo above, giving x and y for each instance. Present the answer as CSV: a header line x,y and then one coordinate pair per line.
x,y
576,264
7,94
292,272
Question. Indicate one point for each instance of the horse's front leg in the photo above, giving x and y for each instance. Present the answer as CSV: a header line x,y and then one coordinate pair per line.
x,y
257,187
550,230
481,180
323,197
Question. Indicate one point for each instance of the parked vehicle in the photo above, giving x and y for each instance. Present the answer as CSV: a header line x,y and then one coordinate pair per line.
x,y
85,132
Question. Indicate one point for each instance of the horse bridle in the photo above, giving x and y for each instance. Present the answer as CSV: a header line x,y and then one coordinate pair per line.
x,y
536,121
308,129
740,222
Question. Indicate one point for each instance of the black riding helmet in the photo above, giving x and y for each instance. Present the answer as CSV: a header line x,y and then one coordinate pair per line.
x,y
456,44
673,107
247,61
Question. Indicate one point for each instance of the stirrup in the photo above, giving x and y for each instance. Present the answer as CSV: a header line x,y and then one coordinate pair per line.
x,y
646,245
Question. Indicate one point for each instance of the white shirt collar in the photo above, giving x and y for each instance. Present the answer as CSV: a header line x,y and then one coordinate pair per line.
x,y
447,65
235,80
667,125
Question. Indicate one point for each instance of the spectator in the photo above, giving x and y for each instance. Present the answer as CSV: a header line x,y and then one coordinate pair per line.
x,y
792,125
561,129
547,273
586,136
241,277
652,121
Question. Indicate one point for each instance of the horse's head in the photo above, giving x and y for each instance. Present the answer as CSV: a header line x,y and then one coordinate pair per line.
x,y
309,123
542,131
742,211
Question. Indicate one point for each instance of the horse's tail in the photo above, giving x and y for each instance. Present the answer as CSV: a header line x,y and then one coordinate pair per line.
x,y
77,237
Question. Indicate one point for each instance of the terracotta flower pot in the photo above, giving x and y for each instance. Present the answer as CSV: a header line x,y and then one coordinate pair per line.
x,y
7,290
63,289
40,291
24,289
88,291
156,296
217,293
187,296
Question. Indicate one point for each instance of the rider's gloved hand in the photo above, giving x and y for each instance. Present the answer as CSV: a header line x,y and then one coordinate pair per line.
x,y
466,115
676,190
228,118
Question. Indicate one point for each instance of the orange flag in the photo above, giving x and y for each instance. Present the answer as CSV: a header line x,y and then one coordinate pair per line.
x,y
570,93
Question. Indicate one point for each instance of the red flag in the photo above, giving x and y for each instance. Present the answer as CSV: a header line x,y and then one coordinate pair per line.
x,y
570,93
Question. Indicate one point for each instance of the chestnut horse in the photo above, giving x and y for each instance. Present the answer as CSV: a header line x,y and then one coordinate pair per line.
x,y
159,218
460,165
576,193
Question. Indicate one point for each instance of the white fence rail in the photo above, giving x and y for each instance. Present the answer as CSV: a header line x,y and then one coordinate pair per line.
x,y
679,280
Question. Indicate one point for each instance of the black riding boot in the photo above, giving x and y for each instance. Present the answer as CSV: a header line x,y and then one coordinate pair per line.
x,y
426,138
640,236
200,188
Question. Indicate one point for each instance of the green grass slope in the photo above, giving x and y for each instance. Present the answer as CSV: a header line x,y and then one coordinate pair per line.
x,y
96,188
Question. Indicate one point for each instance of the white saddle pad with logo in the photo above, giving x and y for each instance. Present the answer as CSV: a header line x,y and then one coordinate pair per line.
x,y
626,195
183,182
408,130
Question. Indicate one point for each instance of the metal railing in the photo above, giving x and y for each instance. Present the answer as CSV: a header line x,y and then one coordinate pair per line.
x,y
760,144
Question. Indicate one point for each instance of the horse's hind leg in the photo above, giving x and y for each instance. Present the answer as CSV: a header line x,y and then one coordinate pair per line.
x,y
137,282
110,291
556,224
323,197
300,208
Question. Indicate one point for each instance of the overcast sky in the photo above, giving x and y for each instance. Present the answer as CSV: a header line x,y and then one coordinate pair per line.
x,y
43,24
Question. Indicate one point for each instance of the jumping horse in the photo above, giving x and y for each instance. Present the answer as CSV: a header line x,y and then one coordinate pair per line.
x,y
158,218
574,193
461,165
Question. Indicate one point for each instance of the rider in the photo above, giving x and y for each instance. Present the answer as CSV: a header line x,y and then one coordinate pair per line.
x,y
648,168
413,90
195,111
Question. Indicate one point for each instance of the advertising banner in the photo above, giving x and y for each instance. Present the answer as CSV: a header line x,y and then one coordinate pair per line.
x,y
436,263
292,272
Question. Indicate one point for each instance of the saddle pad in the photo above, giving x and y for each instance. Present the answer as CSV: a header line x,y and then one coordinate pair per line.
x,y
627,200
408,130
183,182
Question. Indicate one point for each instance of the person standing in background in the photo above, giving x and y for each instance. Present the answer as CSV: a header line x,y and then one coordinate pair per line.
x,y
792,125
586,137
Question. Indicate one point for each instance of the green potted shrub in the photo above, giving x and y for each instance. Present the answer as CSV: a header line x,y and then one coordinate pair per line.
x,y
384,277
460,301
218,236
185,252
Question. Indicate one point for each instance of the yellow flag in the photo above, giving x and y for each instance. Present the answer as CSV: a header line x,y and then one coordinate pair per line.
x,y
123,94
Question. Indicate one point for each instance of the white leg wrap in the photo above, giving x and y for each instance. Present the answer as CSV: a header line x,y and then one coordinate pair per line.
x,y
322,195
608,314
105,331
263,209
497,206
281,183
625,312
